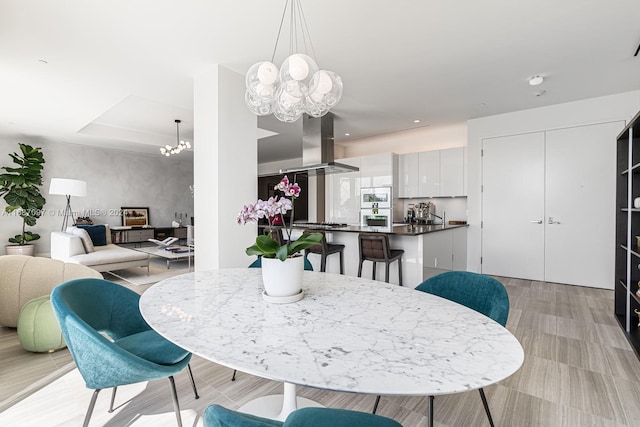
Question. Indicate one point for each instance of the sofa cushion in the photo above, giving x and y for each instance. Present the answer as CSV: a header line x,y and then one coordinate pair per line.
x,y
109,254
97,233
86,239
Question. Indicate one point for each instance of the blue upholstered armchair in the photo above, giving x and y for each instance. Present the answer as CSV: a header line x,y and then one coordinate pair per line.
x,y
217,416
88,308
481,293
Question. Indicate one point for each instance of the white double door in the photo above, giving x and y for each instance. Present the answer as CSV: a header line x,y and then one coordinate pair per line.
x,y
548,205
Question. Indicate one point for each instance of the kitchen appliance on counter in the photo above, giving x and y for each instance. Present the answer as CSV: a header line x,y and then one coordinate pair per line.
x,y
376,207
423,213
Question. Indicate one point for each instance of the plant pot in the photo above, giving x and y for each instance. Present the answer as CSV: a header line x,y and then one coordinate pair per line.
x,y
19,249
282,278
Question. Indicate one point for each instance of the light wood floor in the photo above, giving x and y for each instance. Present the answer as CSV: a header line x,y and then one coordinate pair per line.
x,y
579,371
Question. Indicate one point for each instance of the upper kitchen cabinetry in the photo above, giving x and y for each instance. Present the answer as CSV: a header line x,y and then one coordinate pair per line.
x,y
408,175
343,189
437,173
429,174
377,170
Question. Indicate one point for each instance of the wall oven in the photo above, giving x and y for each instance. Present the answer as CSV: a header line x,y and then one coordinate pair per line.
x,y
376,198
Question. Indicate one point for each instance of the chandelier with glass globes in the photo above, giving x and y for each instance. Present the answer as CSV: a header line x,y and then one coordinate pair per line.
x,y
299,86
168,150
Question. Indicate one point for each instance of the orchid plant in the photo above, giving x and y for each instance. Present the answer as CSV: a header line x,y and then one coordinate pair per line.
x,y
274,210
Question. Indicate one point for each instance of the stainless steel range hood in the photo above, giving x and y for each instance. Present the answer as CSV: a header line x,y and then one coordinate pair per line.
x,y
317,160
328,168
317,148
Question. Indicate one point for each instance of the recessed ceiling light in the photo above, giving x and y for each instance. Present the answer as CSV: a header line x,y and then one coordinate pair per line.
x,y
536,80
347,134
416,121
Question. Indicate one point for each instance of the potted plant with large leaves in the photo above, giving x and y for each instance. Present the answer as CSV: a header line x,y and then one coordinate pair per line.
x,y
19,186
282,264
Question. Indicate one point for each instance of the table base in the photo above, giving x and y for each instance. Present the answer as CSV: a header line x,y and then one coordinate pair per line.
x,y
278,406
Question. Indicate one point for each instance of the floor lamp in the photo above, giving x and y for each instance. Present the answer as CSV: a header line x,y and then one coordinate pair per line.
x,y
68,187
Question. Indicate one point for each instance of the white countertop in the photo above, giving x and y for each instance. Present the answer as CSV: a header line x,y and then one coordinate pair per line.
x,y
347,334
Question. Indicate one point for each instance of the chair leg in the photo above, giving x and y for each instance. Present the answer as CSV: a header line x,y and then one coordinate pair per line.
x,y
113,399
341,263
400,271
373,275
486,406
92,405
176,404
430,411
233,377
386,272
323,263
193,382
375,405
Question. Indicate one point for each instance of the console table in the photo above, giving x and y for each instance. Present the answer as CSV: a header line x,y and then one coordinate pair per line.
x,y
124,234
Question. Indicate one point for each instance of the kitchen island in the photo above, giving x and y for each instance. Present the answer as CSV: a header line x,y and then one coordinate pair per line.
x,y
428,250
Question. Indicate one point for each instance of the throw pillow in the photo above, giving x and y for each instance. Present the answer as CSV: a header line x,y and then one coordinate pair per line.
x,y
97,233
86,240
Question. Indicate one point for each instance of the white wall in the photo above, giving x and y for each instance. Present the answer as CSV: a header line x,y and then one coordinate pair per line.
x,y
273,168
590,111
409,141
114,179
226,164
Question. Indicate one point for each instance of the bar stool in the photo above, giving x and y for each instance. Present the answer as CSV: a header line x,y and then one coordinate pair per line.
x,y
374,247
325,249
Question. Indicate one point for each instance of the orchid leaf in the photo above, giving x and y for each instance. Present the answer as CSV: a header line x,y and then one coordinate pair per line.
x,y
282,253
305,241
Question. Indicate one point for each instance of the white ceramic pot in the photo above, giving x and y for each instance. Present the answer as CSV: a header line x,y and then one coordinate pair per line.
x,y
28,250
282,278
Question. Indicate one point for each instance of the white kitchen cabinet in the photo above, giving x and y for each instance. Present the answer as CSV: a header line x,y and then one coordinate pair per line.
x,y
429,173
408,175
465,168
437,173
342,197
459,249
377,170
445,250
452,172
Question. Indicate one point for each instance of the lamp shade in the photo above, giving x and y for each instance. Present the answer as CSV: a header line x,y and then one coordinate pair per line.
x,y
68,187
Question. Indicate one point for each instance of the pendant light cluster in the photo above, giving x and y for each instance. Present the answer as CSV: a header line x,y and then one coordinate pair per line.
x,y
299,86
168,150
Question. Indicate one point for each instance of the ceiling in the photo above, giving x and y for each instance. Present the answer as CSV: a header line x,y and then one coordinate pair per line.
x,y
118,73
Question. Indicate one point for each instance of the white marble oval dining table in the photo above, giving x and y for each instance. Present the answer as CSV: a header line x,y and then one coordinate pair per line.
x,y
347,334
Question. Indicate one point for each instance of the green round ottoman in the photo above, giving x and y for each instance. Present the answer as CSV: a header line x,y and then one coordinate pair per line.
x,y
38,328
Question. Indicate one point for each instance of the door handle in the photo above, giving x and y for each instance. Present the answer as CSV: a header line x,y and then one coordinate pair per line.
x,y
536,221
551,221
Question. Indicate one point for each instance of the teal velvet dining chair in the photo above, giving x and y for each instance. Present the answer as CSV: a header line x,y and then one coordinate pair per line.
x,y
111,343
218,416
478,292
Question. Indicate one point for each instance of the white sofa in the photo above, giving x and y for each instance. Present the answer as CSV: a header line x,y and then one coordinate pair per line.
x,y
69,248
